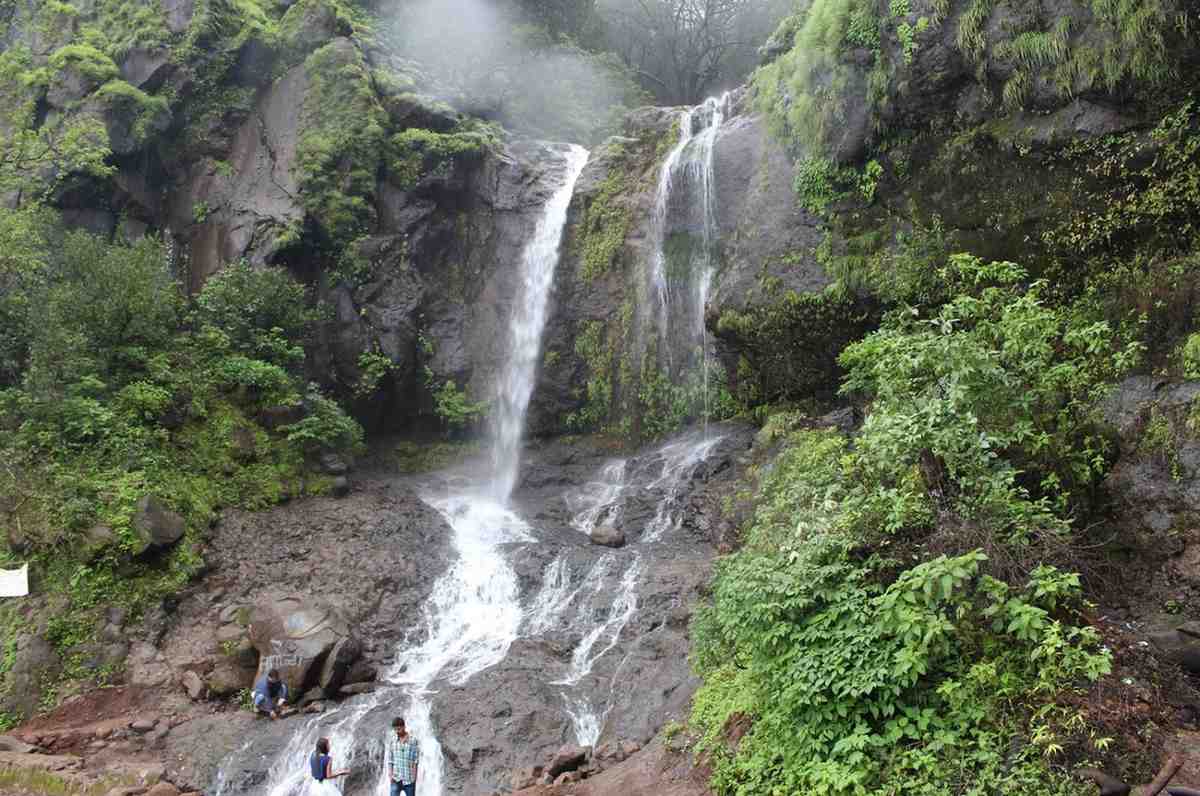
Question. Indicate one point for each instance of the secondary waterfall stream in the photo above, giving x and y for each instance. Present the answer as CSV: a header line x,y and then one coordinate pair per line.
x,y
684,235
476,612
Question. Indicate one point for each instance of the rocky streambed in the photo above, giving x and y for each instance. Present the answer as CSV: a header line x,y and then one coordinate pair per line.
x,y
608,555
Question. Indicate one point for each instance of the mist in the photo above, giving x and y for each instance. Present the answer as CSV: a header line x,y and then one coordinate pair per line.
x,y
485,58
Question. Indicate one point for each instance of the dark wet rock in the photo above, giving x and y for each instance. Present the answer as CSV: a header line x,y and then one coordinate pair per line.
x,y
243,444
69,86
845,420
361,671
332,464
96,539
1155,485
148,69
227,678
155,525
763,227
307,25
34,663
276,417
337,665
360,688
340,486
128,122
251,207
608,536
1175,639
567,758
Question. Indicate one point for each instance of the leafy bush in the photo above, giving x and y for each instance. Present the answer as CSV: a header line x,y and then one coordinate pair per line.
x,y
326,426
993,390
263,312
455,409
892,624
120,390
418,152
100,309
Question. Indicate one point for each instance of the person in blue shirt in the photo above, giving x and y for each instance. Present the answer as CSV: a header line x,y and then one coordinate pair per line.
x,y
320,765
270,695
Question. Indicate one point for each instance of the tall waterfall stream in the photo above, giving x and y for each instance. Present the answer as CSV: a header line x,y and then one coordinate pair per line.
x,y
475,612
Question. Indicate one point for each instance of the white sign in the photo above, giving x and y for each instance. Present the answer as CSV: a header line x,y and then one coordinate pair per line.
x,y
14,582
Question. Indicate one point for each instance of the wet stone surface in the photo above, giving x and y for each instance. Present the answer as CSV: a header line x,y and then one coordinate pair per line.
x,y
600,646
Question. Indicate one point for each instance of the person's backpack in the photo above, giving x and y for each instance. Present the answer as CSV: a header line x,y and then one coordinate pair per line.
x,y
317,764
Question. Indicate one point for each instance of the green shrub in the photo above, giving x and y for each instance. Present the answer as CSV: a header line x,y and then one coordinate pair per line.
x,y
343,142
126,392
89,61
994,390
605,223
1189,355
417,153
893,623
260,382
455,409
325,427
375,366
263,312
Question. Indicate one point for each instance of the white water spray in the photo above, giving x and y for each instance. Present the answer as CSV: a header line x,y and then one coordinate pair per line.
x,y
688,167
516,377
606,599
474,614
471,619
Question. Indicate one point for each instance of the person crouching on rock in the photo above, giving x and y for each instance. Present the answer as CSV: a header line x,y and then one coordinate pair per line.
x,y
320,765
270,695
403,753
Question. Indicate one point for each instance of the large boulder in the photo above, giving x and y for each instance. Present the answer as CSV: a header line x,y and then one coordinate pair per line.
x,y
608,535
1175,639
568,758
34,663
1155,485
295,635
155,526
178,14
338,663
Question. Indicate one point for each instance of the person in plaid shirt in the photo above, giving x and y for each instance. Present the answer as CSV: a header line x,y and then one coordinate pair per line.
x,y
403,753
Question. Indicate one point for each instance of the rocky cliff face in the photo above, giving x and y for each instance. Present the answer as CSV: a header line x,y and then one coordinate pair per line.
x,y
299,142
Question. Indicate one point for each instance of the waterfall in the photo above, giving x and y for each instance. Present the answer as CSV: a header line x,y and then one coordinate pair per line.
x,y
681,275
475,613
472,618
599,618
516,376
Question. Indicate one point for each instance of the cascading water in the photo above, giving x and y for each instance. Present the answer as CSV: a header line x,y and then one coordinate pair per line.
x,y
684,235
515,383
599,617
474,613
472,618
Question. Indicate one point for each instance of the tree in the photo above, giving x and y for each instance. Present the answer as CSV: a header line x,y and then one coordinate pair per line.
x,y
682,49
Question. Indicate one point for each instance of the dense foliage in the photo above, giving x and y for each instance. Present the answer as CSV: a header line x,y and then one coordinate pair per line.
x,y
843,59
116,388
894,622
